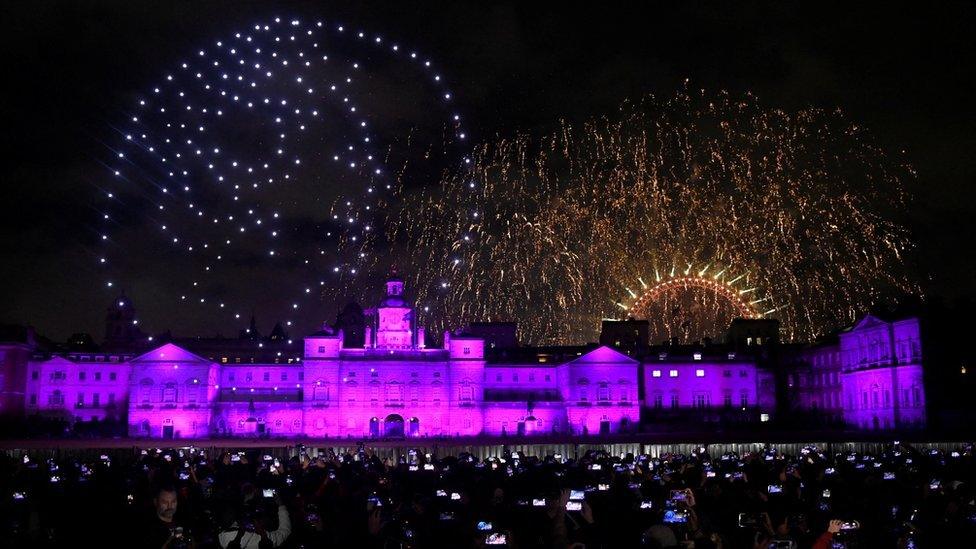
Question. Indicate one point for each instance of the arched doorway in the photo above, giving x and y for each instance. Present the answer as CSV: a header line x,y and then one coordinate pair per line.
x,y
414,427
605,426
374,427
393,426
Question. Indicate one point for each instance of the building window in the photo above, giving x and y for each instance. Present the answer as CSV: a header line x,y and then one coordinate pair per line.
x,y
531,378
498,377
230,376
673,373
95,398
656,373
81,376
674,401
743,373
548,378
248,376
701,400
145,390
111,399
603,392
301,376
56,398
727,399
514,378
321,349
169,392
33,400
98,376
35,374
267,376
467,393
284,376
699,373
467,350
81,400
394,393
744,400
658,401
726,373
111,376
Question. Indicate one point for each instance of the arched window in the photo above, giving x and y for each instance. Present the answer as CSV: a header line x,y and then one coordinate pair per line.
x,y
603,392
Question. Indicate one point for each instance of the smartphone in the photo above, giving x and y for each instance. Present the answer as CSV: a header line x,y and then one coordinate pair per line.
x,y
428,467
538,502
455,496
596,467
441,493
576,495
372,502
574,505
710,474
413,468
268,493
602,487
484,526
447,515
18,496
935,485
749,520
850,525
679,495
168,457
829,471
675,516
235,457
184,475
496,538
774,489
889,476
646,504
825,493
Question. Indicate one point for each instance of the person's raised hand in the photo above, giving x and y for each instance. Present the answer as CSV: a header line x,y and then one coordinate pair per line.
x,y
834,526
587,512
373,522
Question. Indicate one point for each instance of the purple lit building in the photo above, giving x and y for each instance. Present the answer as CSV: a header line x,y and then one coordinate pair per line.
x,y
393,384
869,378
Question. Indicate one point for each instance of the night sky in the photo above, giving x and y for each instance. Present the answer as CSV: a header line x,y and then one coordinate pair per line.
x,y
907,75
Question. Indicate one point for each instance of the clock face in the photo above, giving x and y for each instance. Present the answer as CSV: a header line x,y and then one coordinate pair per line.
x,y
395,319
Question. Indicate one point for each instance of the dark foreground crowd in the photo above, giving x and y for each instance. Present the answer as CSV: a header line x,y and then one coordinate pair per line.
x,y
904,497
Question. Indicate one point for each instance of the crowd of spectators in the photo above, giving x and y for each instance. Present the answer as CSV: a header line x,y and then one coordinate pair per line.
x,y
177,498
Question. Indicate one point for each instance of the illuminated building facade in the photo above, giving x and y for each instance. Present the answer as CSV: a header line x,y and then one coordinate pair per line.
x,y
396,385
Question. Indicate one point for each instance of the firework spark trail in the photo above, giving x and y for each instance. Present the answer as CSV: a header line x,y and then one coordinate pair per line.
x,y
802,206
